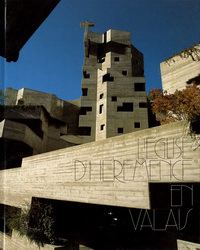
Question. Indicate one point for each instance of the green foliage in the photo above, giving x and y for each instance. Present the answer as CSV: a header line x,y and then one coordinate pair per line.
x,y
36,223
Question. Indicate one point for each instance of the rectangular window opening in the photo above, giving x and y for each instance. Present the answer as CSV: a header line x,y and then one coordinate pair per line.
x,y
120,130
116,59
85,74
142,105
108,78
85,131
137,124
114,98
84,110
124,72
126,107
84,91
139,86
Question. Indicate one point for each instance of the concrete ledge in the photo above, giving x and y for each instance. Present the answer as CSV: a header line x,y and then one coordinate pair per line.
x,y
115,171
186,245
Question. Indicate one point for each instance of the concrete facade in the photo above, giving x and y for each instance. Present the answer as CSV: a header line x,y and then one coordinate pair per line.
x,y
113,85
65,111
109,170
186,245
179,71
115,171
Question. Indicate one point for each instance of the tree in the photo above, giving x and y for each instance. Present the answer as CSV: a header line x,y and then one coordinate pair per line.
x,y
182,105
36,223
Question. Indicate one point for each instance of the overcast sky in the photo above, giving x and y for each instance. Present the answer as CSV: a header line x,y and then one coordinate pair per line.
x,y
51,61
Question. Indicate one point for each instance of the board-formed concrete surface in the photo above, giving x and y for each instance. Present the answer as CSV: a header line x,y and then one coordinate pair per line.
x,y
186,245
114,98
115,171
176,71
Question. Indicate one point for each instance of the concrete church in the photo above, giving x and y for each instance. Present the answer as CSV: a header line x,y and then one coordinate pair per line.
x,y
94,165
113,98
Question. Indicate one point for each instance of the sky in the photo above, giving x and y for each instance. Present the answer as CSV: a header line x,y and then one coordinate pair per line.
x,y
52,60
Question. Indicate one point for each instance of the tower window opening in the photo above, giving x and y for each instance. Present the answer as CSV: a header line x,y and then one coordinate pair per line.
x,y
108,78
85,131
126,107
139,86
124,72
120,130
101,109
85,74
114,98
84,110
101,60
101,96
116,59
142,105
84,91
102,127
137,124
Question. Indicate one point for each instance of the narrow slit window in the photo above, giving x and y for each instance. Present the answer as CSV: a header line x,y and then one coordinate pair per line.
x,y
101,109
101,96
102,127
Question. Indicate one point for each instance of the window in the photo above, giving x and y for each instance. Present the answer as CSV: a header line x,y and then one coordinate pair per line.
x,y
142,105
84,110
105,37
126,107
101,60
124,73
113,98
85,131
120,130
137,124
102,127
101,96
85,74
84,91
108,78
101,109
139,86
116,59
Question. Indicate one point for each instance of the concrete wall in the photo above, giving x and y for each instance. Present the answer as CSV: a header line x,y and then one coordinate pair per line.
x,y
112,54
115,171
57,108
17,242
186,245
176,71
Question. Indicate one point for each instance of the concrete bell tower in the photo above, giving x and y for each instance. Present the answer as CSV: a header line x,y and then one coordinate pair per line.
x,y
113,98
